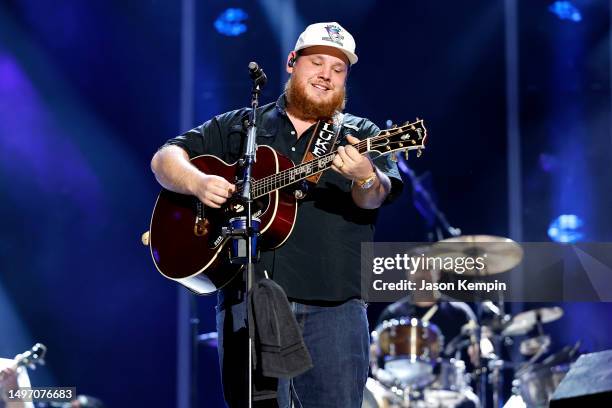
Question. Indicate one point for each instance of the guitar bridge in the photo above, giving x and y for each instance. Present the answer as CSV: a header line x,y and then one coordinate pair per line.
x,y
200,228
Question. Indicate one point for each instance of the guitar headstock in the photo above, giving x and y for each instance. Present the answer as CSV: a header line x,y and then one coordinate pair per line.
x,y
410,136
32,357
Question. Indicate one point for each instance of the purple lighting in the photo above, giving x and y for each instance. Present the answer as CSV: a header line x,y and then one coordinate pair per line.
x,y
34,149
548,162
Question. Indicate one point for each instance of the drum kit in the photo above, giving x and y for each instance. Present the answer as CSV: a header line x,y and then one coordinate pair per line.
x,y
412,366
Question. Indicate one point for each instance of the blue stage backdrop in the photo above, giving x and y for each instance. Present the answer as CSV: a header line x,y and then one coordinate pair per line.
x,y
90,90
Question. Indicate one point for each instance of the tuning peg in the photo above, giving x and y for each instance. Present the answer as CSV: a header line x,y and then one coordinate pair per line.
x,y
394,157
394,126
406,123
419,152
406,154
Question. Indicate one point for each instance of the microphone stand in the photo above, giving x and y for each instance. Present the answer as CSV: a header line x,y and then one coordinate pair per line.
x,y
248,232
420,191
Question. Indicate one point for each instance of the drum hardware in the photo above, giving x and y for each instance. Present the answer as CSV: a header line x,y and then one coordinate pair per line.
x,y
536,382
534,345
568,353
529,363
466,338
496,319
496,377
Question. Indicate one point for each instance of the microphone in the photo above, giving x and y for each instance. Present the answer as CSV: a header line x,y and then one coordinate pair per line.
x,y
257,74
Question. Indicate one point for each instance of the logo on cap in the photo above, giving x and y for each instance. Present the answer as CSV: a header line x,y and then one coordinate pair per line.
x,y
334,34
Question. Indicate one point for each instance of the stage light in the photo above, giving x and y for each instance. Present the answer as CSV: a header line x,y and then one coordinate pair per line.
x,y
565,10
566,228
232,22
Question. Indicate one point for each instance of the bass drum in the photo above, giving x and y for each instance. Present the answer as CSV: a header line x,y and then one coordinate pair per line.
x,y
408,349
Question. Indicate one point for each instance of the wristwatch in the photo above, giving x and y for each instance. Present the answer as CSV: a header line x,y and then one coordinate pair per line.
x,y
367,182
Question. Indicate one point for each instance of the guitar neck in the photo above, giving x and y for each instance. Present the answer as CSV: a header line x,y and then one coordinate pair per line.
x,y
300,172
410,136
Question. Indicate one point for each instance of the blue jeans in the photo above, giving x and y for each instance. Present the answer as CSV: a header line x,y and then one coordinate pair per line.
x,y
337,338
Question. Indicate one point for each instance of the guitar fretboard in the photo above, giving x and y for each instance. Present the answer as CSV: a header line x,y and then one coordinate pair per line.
x,y
300,172
407,137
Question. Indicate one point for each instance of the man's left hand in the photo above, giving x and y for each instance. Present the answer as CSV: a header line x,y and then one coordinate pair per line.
x,y
350,163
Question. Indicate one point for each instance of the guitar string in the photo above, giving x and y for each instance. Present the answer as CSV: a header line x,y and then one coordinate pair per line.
x,y
272,180
270,183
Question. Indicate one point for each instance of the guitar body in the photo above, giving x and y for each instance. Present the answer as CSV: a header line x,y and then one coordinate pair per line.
x,y
186,240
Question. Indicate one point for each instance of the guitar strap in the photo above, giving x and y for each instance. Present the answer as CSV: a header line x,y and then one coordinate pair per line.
x,y
323,141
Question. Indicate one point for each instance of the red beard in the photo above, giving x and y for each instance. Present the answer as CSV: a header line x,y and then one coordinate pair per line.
x,y
301,105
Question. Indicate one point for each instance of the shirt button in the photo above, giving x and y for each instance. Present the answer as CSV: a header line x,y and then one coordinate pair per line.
x,y
293,132
293,149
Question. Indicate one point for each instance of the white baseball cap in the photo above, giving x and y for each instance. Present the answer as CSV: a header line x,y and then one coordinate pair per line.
x,y
330,35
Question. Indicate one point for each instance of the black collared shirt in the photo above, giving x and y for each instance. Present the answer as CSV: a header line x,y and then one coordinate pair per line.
x,y
320,261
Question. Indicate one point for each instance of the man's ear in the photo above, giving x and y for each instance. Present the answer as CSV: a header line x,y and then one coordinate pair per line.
x,y
291,58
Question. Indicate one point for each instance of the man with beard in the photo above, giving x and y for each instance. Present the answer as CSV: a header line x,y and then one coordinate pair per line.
x,y
319,264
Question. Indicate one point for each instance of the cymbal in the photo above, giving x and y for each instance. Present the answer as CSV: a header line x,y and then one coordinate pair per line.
x,y
523,322
500,254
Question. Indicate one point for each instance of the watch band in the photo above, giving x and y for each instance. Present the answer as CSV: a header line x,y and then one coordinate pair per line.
x,y
367,182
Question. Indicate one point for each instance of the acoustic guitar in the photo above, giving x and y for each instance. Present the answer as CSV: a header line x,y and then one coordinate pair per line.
x,y
186,238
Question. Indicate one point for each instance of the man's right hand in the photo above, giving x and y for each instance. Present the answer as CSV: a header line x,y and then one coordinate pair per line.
x,y
213,191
